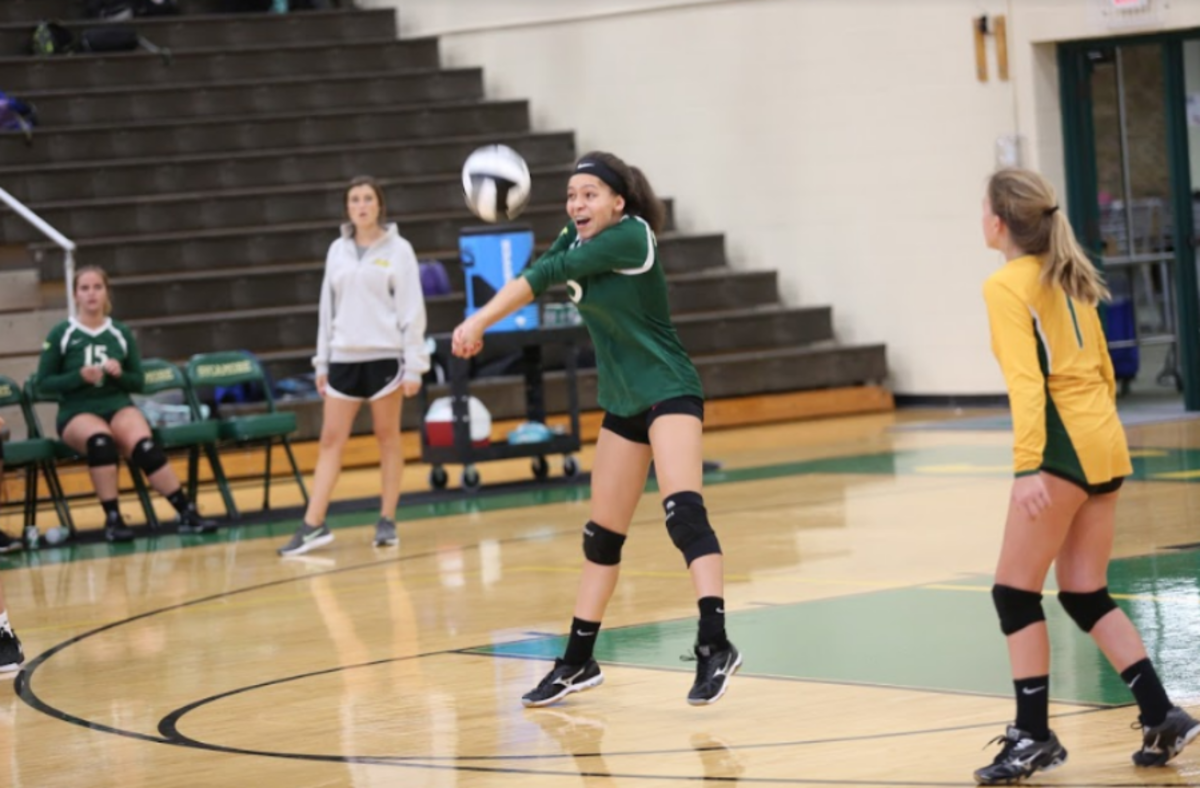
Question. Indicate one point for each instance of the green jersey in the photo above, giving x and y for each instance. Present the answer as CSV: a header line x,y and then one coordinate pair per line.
x,y
72,346
619,286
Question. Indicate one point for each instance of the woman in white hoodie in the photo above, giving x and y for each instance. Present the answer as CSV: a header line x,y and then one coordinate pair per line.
x,y
370,348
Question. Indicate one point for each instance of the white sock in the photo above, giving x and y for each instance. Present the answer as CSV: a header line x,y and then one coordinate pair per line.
x,y
4,620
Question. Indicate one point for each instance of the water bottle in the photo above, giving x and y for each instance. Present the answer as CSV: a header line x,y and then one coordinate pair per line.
x,y
32,541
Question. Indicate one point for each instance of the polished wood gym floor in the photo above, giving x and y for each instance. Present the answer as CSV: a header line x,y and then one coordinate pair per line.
x,y
859,553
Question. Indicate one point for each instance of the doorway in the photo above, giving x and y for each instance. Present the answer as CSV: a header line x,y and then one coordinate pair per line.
x,y
1131,145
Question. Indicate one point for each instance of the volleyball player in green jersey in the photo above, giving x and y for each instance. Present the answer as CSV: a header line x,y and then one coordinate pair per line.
x,y
11,656
654,409
92,362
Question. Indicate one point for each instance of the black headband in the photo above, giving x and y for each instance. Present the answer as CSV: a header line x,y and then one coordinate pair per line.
x,y
605,173
1051,211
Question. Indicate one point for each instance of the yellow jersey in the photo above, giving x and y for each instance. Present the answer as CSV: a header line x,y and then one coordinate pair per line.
x,y
1061,386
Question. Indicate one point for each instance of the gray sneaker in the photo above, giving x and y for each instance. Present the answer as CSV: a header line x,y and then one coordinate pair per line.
x,y
1020,756
385,533
1165,740
307,537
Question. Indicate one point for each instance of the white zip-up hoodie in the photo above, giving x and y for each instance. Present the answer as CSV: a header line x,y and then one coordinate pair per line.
x,y
372,309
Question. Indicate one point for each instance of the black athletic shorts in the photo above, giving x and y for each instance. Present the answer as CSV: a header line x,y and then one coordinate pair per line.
x,y
107,416
637,428
1103,488
366,380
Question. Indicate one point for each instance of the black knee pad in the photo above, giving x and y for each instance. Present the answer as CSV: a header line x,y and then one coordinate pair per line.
x,y
102,451
1086,610
687,523
1018,609
602,546
148,456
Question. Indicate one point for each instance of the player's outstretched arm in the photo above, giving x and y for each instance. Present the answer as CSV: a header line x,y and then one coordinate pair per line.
x,y
468,337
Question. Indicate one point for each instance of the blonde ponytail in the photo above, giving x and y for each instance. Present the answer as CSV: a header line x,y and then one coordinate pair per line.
x,y
1026,203
1068,266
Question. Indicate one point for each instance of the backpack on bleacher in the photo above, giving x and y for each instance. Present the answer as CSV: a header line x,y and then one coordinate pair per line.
x,y
109,38
434,279
51,38
17,115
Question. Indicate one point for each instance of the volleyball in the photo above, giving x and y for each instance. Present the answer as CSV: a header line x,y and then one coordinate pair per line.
x,y
496,183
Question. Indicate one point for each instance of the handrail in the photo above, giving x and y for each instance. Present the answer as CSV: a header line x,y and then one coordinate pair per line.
x,y
65,243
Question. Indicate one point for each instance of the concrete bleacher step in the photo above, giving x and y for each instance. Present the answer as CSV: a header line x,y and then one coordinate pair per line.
x,y
130,70
355,94
295,329
20,291
17,18
233,135
427,225
243,207
176,292
158,298
433,238
274,166
296,291
130,255
790,369
24,332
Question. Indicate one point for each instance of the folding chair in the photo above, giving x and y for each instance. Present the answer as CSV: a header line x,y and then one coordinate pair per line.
x,y
34,455
195,436
235,367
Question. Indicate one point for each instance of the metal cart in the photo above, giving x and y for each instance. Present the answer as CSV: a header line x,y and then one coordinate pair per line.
x,y
462,452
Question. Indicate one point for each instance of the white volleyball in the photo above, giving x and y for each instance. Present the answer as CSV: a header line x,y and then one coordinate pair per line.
x,y
496,183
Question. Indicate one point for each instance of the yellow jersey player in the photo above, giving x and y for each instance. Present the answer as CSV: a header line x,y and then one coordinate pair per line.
x,y
1070,458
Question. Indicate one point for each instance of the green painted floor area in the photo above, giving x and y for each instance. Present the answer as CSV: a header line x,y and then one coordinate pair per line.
x,y
931,638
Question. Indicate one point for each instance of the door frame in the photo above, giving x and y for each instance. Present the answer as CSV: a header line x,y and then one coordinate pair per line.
x,y
1083,206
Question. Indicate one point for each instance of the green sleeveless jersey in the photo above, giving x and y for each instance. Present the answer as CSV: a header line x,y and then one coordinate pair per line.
x,y
618,284
70,347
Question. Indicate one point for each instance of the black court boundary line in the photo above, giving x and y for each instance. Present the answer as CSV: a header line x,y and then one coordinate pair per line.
x,y
24,690
168,728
